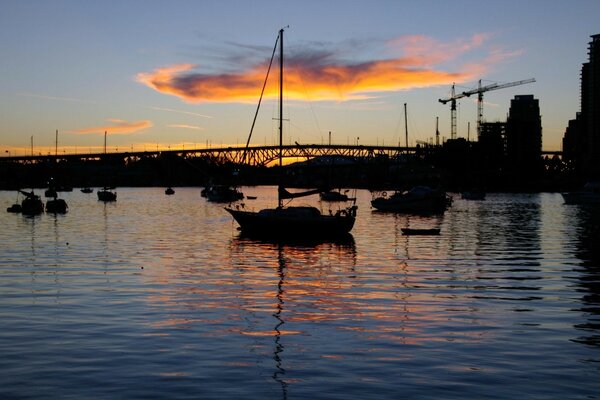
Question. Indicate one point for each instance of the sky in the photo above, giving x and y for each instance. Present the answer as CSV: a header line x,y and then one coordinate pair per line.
x,y
157,74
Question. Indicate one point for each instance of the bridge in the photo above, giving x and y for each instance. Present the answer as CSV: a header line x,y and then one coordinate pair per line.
x,y
255,156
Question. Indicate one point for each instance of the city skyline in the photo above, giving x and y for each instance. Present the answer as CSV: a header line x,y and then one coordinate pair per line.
x,y
190,73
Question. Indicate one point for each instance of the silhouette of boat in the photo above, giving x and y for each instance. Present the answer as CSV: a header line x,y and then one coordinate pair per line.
x,y
282,222
106,194
87,189
169,191
419,199
57,206
32,204
473,195
221,194
15,208
590,194
426,231
335,195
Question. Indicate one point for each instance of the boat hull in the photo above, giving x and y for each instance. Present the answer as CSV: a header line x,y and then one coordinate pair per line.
x,y
57,206
413,231
32,206
106,195
430,205
416,200
305,222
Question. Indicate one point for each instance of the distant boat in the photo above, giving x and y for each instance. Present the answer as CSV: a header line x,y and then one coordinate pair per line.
x,y
420,199
57,206
335,195
169,191
284,222
32,204
87,189
222,194
412,231
473,195
590,194
106,194
15,208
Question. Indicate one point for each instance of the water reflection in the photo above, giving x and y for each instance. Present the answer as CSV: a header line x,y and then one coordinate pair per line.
x,y
279,373
305,296
588,250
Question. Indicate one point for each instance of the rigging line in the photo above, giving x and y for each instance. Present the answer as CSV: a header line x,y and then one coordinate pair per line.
x,y
260,99
309,101
310,104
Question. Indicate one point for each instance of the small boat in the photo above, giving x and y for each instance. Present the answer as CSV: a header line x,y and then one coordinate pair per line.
x,y
106,194
86,189
57,206
251,197
419,199
590,194
169,191
15,208
32,204
292,222
335,195
222,194
413,231
473,195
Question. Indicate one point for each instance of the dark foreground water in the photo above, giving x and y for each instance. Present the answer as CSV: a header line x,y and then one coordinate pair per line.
x,y
157,297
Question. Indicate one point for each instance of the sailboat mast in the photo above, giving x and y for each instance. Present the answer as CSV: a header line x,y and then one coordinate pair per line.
x,y
280,201
406,127
280,96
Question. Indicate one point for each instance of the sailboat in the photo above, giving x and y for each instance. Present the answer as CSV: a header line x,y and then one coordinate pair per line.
x,y
299,222
107,194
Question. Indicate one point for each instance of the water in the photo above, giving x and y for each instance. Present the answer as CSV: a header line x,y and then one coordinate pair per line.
x,y
157,297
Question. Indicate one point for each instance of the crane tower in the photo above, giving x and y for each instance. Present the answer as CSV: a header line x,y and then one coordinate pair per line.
x,y
479,90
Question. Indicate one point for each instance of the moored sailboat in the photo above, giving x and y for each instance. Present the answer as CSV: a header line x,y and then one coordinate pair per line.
x,y
107,194
299,222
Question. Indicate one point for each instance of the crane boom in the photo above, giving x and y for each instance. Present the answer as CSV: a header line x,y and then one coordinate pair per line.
x,y
496,86
479,91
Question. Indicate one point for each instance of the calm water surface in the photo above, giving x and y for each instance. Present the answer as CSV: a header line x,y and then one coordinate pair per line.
x,y
157,296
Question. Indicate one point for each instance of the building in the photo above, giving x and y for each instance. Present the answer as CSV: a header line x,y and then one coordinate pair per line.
x,y
524,136
492,144
581,144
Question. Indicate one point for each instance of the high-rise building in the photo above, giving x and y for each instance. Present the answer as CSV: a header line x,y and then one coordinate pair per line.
x,y
581,144
524,135
590,107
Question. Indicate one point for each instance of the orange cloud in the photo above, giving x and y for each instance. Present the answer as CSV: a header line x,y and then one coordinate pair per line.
x,y
118,127
323,76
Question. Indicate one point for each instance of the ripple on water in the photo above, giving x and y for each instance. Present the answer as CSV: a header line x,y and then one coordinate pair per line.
x,y
157,296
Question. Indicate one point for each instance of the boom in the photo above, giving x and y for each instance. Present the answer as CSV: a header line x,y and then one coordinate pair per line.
x,y
479,90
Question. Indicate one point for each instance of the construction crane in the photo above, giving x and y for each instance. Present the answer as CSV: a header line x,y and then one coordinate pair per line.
x,y
480,90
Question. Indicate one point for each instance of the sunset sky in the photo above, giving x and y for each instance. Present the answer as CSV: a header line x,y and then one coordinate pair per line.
x,y
158,74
